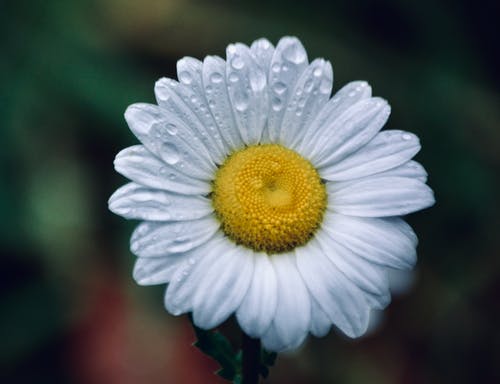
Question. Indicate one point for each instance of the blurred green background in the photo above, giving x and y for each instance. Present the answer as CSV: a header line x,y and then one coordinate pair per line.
x,y
70,310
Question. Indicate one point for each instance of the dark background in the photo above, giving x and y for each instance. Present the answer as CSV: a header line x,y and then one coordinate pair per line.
x,y
70,310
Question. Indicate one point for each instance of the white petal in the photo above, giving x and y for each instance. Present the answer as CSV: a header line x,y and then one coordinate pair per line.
x,y
223,286
368,276
342,301
187,276
381,196
288,63
410,169
141,166
246,82
308,97
272,341
387,150
189,102
171,139
214,81
156,270
293,312
262,51
345,134
157,239
346,97
320,322
259,305
133,201
389,242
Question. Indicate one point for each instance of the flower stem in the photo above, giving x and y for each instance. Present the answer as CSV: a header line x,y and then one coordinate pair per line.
x,y
251,359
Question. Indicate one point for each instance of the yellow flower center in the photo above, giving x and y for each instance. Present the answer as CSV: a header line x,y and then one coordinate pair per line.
x,y
268,198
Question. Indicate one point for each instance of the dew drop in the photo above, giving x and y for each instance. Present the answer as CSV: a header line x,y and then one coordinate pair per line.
x,y
191,261
237,62
325,87
294,53
233,77
279,87
308,86
277,104
406,136
241,101
317,72
351,94
170,153
185,77
275,67
172,129
216,77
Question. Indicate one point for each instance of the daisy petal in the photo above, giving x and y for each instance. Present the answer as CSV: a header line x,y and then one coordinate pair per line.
x,y
186,277
170,139
308,97
262,51
386,150
259,305
388,242
140,165
410,169
191,104
157,239
368,276
320,323
350,131
214,81
288,63
223,286
346,97
156,270
293,312
382,196
339,298
133,201
247,91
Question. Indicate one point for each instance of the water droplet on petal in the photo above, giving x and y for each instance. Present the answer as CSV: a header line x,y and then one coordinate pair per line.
x,y
277,104
170,153
317,72
241,101
406,136
233,77
279,88
185,77
308,86
215,77
295,53
172,129
275,67
237,62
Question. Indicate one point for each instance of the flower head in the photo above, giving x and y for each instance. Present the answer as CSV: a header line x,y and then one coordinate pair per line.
x,y
262,196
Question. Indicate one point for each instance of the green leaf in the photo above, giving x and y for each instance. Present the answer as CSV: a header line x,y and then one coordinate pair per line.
x,y
215,345
267,359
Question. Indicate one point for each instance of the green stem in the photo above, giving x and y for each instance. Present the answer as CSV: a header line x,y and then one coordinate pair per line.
x,y
251,359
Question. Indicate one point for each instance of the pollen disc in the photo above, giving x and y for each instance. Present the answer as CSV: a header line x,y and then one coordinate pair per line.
x,y
268,198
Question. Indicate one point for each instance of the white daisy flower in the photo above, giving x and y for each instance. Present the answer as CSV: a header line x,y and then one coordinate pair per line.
x,y
263,197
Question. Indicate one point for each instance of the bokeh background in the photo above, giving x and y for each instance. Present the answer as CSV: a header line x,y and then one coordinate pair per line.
x,y
70,310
